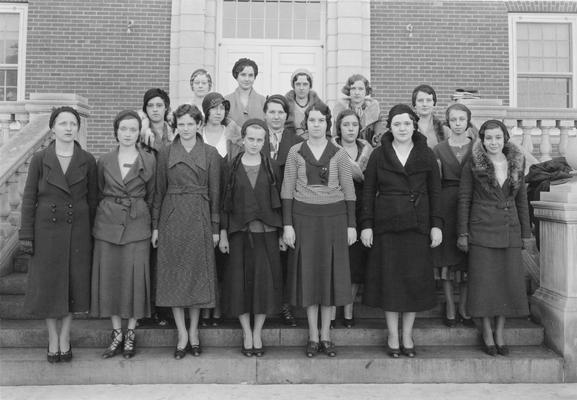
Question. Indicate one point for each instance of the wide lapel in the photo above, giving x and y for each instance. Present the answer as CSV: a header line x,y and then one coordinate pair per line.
x,y
55,175
76,171
113,168
135,170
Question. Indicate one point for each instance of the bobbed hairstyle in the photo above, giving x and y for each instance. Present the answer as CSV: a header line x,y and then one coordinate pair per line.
x,y
323,109
277,99
402,109
493,124
345,113
201,72
57,111
241,64
186,109
151,94
346,90
458,107
425,89
122,116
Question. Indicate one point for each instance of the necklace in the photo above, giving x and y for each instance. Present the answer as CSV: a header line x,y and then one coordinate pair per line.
x,y
64,155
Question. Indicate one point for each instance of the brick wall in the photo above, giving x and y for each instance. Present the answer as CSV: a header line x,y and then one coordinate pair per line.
x,y
83,47
454,44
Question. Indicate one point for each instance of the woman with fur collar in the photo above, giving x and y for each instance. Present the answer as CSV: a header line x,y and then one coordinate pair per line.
x,y
493,226
299,99
347,136
358,91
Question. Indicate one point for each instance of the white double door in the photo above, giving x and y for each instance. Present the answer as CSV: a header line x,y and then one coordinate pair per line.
x,y
276,63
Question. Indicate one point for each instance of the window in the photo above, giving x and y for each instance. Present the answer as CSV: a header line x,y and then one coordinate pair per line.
x,y
12,50
542,49
271,19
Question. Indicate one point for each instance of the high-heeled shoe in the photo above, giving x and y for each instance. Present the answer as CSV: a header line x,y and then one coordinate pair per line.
x,y
328,347
216,321
466,321
195,350
52,358
348,322
312,348
258,352
489,349
502,350
392,352
129,348
180,353
66,356
116,345
246,352
449,322
408,351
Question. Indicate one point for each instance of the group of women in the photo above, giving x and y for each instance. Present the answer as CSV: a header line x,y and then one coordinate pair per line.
x,y
388,204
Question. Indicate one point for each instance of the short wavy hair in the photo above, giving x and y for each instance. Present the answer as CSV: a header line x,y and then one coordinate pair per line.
x,y
242,64
346,90
186,109
323,109
425,89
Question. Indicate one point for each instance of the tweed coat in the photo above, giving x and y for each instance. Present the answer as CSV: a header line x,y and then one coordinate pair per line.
x,y
493,216
397,198
57,214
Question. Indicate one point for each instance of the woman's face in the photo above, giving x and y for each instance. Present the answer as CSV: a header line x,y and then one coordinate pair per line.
x,y
216,114
317,124
246,78
494,141
458,121
201,85
155,109
65,127
402,128
275,116
349,129
424,104
254,139
358,92
302,87
186,127
128,132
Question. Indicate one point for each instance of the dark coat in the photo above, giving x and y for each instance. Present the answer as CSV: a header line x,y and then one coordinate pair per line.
x,y
288,140
397,198
57,214
493,216
123,214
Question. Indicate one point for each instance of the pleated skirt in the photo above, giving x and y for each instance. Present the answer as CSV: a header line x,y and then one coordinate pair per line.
x,y
121,279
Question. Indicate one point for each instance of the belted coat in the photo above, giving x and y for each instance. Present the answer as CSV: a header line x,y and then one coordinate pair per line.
x,y
57,213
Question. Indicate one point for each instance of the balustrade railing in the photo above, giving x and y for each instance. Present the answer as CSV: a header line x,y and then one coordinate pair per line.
x,y
13,117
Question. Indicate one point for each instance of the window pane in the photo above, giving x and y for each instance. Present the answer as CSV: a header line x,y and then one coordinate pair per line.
x,y
2,79
257,29
11,77
300,29
257,11
271,11
229,9
285,29
544,92
300,10
11,51
228,28
11,93
313,29
271,29
243,9
243,28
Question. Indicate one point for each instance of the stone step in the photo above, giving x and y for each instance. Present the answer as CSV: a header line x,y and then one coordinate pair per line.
x,y
11,306
429,331
20,263
14,283
358,364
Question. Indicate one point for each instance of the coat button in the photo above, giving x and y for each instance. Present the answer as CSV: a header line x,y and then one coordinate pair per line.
x,y
69,220
53,210
53,219
69,212
69,205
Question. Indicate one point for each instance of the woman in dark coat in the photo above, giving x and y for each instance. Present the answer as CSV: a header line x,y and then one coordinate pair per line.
x,y
450,262
185,221
58,208
401,208
493,226
122,231
252,221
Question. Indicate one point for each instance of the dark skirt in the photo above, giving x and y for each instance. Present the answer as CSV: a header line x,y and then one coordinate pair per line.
x,y
358,256
447,253
496,282
318,267
399,274
252,276
121,280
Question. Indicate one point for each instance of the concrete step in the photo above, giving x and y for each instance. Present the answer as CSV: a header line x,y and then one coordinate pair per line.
x,y
358,364
14,283
11,306
20,263
429,331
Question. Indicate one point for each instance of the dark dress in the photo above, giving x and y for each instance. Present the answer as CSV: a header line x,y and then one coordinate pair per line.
x,y
186,214
253,276
401,204
450,263
496,218
122,230
57,214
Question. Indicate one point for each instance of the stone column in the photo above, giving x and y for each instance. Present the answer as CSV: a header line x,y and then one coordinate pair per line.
x,y
554,304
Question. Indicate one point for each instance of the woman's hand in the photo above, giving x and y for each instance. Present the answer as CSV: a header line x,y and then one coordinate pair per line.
x,y
223,242
288,236
367,237
351,235
463,243
436,237
215,239
281,244
27,247
154,238
528,245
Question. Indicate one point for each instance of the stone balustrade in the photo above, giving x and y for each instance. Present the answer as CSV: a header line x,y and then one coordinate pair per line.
x,y
25,131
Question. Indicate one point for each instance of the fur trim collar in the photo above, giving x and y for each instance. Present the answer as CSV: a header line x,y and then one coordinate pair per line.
x,y
483,167
232,133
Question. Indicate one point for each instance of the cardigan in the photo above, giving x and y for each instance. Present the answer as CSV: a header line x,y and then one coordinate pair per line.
x,y
493,216
402,198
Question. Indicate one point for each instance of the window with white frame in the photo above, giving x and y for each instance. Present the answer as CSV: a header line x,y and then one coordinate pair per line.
x,y
12,51
271,19
543,60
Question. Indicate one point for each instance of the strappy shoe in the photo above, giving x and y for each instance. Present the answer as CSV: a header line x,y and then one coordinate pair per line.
x,y
195,349
52,358
392,352
287,316
116,345
129,349
245,351
328,348
66,356
312,348
409,351
180,353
